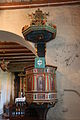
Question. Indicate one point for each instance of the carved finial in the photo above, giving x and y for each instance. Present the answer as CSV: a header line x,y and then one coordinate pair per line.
x,y
38,18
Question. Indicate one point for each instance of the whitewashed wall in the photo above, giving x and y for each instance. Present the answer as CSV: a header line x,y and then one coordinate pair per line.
x,y
63,52
6,88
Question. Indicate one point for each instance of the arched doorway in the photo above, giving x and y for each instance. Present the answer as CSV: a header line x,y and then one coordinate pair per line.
x,y
18,53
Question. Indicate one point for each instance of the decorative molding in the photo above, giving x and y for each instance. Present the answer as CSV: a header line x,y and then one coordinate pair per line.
x,y
44,3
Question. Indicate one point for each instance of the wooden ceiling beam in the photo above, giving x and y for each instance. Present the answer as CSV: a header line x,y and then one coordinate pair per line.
x,y
15,50
18,57
8,43
11,47
19,51
22,60
17,54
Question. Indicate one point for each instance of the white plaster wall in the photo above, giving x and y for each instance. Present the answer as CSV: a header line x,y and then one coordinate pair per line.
x,y
6,88
63,52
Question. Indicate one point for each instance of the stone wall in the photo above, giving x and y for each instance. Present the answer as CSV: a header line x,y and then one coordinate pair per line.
x,y
64,52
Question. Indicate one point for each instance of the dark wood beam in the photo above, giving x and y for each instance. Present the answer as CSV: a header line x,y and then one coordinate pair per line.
x,y
18,59
8,43
22,60
15,50
12,47
17,54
